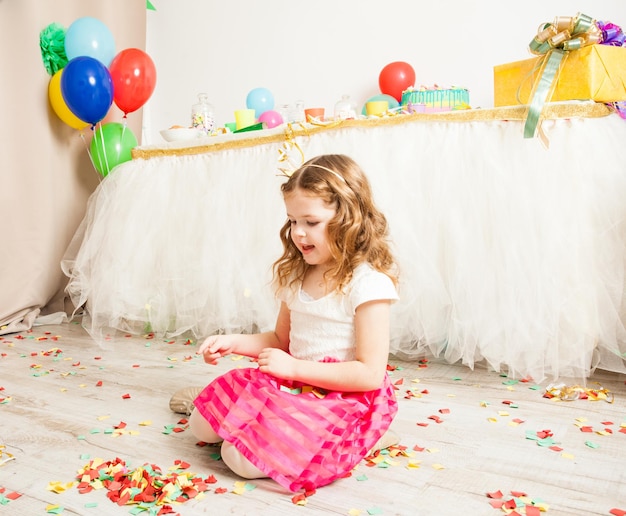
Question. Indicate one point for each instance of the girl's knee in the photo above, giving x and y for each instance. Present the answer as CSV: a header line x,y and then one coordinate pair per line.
x,y
238,463
201,429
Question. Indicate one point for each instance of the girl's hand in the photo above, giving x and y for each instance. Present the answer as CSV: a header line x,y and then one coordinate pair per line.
x,y
277,362
215,347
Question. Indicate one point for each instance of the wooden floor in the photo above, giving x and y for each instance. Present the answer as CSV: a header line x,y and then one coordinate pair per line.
x,y
66,401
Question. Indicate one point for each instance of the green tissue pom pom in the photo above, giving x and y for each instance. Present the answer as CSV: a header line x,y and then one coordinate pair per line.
x,y
52,44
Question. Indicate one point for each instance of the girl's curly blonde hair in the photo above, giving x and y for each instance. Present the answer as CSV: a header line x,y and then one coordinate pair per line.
x,y
357,234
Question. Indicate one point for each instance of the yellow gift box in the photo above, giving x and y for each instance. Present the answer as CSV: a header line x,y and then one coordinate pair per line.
x,y
595,72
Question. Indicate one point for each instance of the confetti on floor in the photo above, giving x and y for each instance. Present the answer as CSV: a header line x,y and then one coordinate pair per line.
x,y
301,498
147,486
517,503
440,415
7,496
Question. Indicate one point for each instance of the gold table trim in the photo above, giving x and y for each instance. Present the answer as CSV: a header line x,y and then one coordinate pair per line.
x,y
551,112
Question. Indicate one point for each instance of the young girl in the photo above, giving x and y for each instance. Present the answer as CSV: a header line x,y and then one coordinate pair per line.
x,y
320,398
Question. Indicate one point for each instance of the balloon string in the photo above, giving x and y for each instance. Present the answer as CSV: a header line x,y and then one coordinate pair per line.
x,y
104,152
82,137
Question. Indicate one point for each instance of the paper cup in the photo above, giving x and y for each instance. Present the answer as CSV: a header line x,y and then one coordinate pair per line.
x,y
317,113
244,118
376,107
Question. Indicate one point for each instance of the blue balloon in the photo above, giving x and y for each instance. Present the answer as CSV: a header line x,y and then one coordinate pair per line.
x,y
90,37
261,100
393,103
87,88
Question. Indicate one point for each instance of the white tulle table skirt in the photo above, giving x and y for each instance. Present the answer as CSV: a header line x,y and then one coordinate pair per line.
x,y
510,253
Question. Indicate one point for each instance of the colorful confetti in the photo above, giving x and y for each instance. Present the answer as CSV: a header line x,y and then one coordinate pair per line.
x,y
562,392
146,486
441,415
517,503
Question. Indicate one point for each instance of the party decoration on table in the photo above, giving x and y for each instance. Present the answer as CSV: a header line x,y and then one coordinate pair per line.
x,y
59,106
393,103
612,34
90,37
344,108
87,88
111,145
52,45
249,128
314,114
553,42
203,115
435,99
271,118
178,133
244,118
134,77
396,77
261,100
620,108
376,108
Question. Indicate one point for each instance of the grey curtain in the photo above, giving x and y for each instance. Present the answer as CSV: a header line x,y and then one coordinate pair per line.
x,y
46,175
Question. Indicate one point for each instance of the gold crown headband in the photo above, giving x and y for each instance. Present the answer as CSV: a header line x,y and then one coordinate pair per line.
x,y
328,170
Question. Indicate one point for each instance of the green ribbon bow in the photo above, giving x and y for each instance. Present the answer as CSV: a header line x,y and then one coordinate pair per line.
x,y
553,41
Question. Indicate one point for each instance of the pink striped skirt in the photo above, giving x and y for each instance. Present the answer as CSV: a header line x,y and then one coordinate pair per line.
x,y
301,437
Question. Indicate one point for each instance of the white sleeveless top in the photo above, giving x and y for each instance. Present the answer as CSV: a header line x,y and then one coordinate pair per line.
x,y
324,328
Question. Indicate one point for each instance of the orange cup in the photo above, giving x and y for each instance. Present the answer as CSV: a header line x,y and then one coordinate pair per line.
x,y
317,113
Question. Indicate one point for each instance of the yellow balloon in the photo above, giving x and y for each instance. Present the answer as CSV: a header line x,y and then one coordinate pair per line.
x,y
59,106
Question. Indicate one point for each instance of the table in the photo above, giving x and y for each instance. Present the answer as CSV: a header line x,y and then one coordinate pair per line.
x,y
511,254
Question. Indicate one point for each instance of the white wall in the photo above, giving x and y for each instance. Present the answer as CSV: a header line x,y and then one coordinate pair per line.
x,y
318,50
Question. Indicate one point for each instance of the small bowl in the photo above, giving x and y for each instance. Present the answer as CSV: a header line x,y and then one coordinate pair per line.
x,y
178,134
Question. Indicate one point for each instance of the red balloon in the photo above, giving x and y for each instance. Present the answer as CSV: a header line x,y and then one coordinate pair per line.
x,y
395,78
134,77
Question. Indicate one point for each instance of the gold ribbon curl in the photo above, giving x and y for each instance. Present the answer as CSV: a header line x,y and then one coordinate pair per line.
x,y
574,392
287,166
285,152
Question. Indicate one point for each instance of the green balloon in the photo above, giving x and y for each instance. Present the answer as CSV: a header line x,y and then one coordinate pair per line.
x,y
111,145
